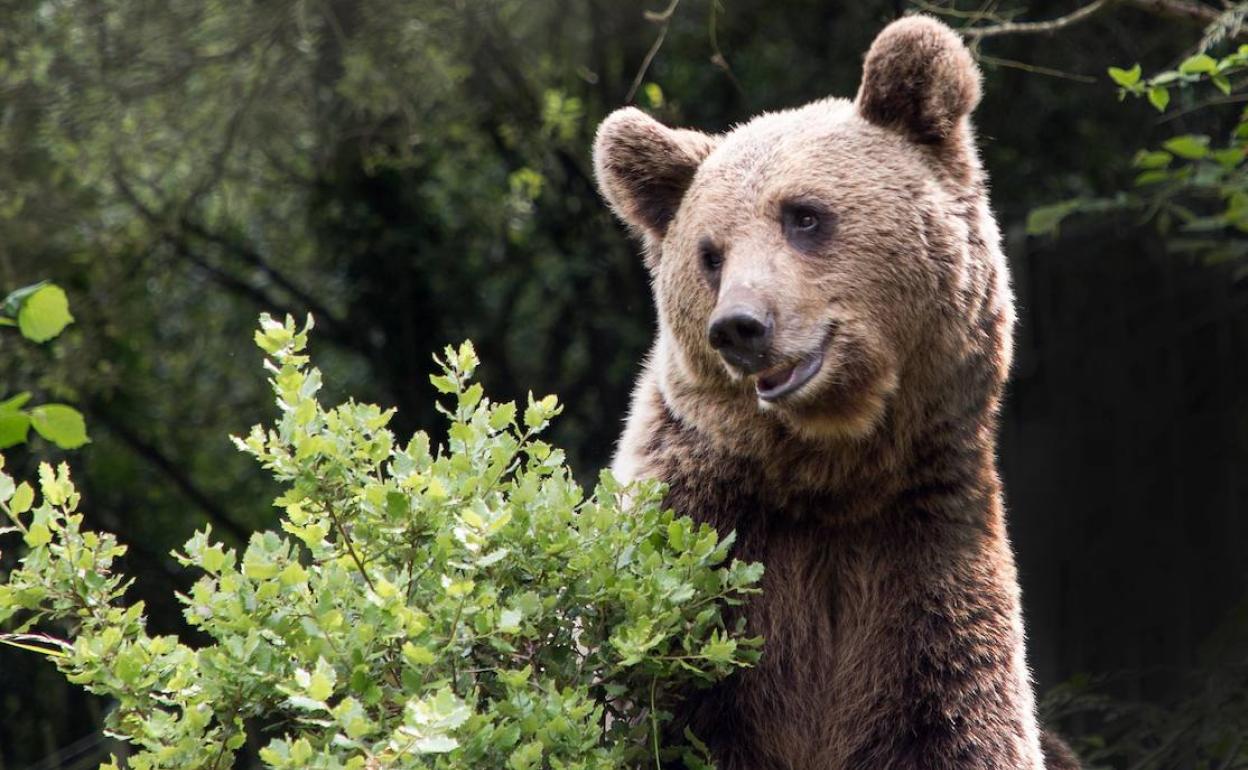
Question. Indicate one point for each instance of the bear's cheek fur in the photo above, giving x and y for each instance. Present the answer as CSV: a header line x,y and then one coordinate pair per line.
x,y
881,288
850,394
685,300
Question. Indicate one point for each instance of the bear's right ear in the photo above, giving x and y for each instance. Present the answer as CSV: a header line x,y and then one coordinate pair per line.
x,y
919,79
644,168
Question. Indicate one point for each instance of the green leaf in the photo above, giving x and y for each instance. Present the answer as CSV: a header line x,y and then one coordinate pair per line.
x,y
1188,146
22,498
503,415
212,559
14,403
539,413
14,428
526,757
62,425
1229,157
256,568
466,360
39,533
418,656
1159,98
654,95
1152,176
676,535
509,621
443,383
1153,159
1198,64
1046,219
471,396
44,314
1125,78
321,686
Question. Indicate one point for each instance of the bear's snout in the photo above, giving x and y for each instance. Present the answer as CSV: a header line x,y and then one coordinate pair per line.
x,y
742,334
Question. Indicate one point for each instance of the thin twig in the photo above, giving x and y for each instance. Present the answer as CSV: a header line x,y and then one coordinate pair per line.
x,y
654,725
1231,99
1035,68
665,18
346,540
717,54
1179,10
1038,27
984,13
1182,10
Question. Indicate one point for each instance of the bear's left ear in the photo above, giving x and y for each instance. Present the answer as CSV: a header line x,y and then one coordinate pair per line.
x,y
644,168
918,78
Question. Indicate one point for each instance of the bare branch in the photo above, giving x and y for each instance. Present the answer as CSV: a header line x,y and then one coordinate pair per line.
x,y
717,55
1038,27
664,18
1177,10
1036,69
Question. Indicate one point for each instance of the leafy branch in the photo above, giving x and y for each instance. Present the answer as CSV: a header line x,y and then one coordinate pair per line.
x,y
39,312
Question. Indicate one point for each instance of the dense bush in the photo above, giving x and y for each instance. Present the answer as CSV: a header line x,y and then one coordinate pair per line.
x,y
465,607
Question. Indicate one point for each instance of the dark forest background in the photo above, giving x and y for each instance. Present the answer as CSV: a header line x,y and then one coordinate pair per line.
x,y
417,173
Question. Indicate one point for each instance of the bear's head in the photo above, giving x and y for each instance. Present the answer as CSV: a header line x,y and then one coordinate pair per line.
x,y
811,263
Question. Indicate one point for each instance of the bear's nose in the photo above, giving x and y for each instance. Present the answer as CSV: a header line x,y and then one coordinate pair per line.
x,y
742,336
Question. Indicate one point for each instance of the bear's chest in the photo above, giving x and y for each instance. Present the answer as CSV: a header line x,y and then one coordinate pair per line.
x,y
820,602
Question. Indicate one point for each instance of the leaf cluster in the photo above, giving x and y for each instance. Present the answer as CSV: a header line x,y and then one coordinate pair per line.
x,y
40,312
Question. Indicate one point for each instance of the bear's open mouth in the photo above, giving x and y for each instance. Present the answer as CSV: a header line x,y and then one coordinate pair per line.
x,y
779,381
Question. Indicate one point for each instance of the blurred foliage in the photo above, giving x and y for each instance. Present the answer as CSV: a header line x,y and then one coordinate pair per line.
x,y
461,607
416,173
1202,729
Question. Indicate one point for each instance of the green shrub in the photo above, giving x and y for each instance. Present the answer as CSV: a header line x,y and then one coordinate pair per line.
x,y
466,607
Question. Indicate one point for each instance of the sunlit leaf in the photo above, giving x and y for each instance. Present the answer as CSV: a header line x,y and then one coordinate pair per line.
x,y
1188,146
1125,78
44,314
1198,64
1159,98
62,425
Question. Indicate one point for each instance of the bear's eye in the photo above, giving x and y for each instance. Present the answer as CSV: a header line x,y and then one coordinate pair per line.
x,y
805,224
712,258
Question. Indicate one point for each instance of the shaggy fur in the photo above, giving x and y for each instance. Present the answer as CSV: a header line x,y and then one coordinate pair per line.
x,y
890,604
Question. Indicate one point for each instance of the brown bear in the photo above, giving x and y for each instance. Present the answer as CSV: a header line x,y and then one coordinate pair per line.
x,y
834,334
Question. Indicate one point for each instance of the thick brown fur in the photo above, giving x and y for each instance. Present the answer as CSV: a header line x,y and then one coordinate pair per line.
x,y
890,604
